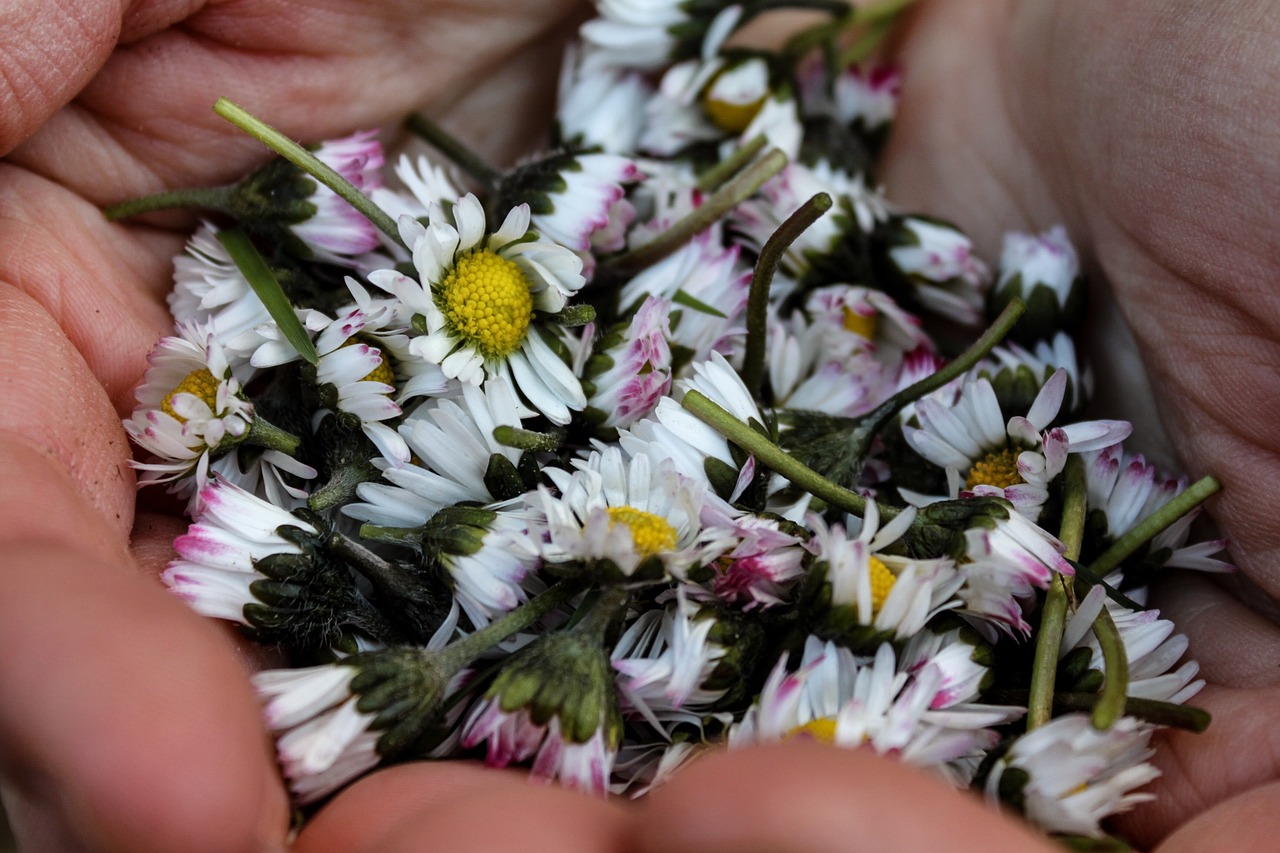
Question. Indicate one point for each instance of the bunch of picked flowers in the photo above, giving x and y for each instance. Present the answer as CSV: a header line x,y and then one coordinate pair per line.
x,y
662,440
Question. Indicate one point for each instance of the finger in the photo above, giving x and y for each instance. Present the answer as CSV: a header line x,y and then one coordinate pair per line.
x,y
313,70
462,806
812,798
1235,645
1250,821
127,722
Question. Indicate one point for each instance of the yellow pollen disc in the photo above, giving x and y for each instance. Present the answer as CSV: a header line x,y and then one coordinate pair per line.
x,y
998,468
865,325
822,729
731,117
486,300
881,583
652,534
199,382
384,372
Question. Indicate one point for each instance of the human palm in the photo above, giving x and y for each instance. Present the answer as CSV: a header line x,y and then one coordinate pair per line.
x,y
130,721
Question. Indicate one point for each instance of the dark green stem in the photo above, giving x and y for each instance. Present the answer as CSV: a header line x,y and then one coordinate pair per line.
x,y
740,188
206,198
309,163
712,178
450,146
1153,525
1053,619
265,434
462,652
776,459
1115,690
762,277
342,485
383,574
977,351
1148,710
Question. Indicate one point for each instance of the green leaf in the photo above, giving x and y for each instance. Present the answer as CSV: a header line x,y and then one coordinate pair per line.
x,y
682,298
263,281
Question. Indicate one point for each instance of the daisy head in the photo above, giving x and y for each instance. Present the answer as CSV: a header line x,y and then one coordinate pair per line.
x,y
481,298
623,514
190,408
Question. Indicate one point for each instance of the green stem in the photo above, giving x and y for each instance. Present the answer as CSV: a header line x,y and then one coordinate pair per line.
x,y
1053,619
383,574
713,178
391,535
462,652
1114,693
450,146
977,351
263,280
1153,525
309,163
762,277
206,198
265,434
1149,710
342,485
740,188
776,459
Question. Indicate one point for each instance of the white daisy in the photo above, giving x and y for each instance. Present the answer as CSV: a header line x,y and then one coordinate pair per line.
x,y
1151,647
1006,560
426,185
760,561
191,407
589,207
479,295
638,34
453,440
209,290
1017,459
866,96
625,512
1043,271
892,596
602,109
1075,774
807,373
937,260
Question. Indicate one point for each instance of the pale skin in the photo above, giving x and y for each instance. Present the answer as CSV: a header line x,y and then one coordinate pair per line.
x,y
127,723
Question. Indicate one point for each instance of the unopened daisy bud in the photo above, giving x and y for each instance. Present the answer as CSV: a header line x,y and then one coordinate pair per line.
x,y
1067,776
555,699
285,203
1044,272
931,264
630,370
866,98
577,200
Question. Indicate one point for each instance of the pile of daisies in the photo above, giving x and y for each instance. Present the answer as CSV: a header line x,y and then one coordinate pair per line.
x,y
680,435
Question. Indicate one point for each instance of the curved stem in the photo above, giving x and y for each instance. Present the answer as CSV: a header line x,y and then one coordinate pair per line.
x,y
725,199
462,652
204,198
268,435
309,163
1053,619
960,365
1115,690
762,277
711,179
776,459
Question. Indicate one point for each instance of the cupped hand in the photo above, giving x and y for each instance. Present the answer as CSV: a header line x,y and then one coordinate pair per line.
x,y
1148,129
127,722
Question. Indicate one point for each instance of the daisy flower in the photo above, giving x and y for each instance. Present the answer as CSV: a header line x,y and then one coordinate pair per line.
x,y
630,370
191,408
866,96
761,560
1073,776
869,595
1014,459
424,186
643,35
209,290
452,440
836,698
939,268
1017,374
1044,272
602,109
480,296
626,513
1152,649
1006,559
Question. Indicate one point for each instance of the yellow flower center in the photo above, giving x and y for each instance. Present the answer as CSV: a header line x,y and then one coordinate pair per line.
x,y
731,117
199,382
865,325
652,534
881,583
998,468
486,300
822,729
